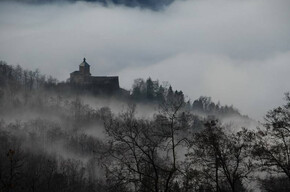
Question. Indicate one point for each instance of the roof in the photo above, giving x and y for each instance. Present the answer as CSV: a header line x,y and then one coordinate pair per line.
x,y
75,72
104,79
84,63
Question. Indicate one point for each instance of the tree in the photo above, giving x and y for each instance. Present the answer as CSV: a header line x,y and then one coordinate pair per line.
x,y
150,89
221,157
139,89
10,170
272,146
160,93
134,152
144,152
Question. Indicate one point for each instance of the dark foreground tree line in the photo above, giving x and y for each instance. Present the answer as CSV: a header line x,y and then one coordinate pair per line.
x,y
169,154
166,153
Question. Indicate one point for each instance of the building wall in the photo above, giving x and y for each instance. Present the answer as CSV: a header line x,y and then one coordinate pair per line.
x,y
105,84
85,70
96,84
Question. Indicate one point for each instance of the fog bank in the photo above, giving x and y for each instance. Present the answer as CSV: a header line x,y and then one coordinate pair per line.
x,y
238,52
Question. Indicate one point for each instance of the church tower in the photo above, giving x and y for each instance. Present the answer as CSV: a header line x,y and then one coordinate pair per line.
x,y
83,80
83,75
85,68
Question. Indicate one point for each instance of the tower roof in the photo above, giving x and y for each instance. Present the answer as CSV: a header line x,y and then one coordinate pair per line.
x,y
84,63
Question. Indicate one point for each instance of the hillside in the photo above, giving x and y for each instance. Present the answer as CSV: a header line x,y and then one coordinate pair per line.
x,y
52,137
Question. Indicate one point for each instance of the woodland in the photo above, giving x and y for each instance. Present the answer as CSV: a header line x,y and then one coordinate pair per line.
x,y
63,141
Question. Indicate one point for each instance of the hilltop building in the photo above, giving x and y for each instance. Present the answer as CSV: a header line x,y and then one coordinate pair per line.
x,y
82,79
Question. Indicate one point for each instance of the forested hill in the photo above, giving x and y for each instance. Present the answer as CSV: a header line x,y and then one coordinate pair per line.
x,y
55,139
18,85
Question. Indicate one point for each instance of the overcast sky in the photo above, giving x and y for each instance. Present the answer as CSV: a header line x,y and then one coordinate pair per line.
x,y
236,51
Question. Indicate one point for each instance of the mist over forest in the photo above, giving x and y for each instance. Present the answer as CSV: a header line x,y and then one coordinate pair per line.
x,y
55,137
208,42
172,96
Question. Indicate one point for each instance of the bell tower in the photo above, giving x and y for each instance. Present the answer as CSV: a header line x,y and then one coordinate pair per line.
x,y
84,68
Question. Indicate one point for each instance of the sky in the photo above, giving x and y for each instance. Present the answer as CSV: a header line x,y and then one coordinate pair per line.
x,y
235,51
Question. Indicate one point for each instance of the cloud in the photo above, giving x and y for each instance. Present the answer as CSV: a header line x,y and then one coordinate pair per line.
x,y
151,4
235,51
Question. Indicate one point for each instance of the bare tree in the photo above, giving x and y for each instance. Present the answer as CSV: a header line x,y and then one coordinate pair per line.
x,y
272,146
222,158
143,152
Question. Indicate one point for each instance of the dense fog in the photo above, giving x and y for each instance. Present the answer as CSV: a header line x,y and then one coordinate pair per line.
x,y
235,47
